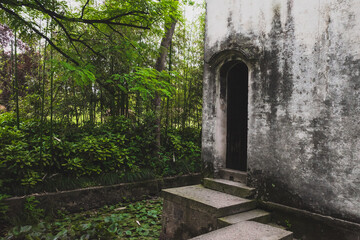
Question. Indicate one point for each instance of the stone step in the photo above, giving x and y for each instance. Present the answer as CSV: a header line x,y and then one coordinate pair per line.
x,y
247,230
233,175
212,202
255,215
226,186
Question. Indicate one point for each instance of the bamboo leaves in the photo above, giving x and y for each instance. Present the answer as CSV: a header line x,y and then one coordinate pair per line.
x,y
82,76
148,81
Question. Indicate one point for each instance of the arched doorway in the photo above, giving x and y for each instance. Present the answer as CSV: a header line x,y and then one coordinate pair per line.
x,y
234,90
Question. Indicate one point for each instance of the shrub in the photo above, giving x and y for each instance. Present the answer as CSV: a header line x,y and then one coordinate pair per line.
x,y
120,146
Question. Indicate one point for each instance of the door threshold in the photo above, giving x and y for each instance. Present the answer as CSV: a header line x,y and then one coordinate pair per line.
x,y
233,175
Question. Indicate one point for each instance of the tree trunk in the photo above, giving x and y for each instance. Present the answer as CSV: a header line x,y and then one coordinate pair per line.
x,y
16,84
167,98
51,103
12,73
160,66
42,118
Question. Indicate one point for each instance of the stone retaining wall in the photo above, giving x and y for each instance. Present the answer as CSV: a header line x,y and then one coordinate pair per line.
x,y
95,197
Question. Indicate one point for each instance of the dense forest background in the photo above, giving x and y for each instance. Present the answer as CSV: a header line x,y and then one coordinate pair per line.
x,y
98,92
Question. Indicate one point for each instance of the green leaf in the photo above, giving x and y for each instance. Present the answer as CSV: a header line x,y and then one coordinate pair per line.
x,y
113,228
61,234
25,229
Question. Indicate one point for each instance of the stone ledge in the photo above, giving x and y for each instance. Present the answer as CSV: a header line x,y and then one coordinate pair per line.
x,y
256,215
230,187
95,197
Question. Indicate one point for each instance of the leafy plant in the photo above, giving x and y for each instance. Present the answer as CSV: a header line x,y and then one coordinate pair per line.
x,y
3,207
32,213
288,224
140,220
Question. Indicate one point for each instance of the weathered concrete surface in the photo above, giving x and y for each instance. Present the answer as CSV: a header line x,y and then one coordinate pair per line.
x,y
247,231
256,215
229,187
194,210
213,202
233,175
304,98
180,222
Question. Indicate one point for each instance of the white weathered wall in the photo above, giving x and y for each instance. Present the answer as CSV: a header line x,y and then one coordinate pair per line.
x,y
304,104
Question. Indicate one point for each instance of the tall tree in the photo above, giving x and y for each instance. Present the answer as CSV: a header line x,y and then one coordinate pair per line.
x,y
160,66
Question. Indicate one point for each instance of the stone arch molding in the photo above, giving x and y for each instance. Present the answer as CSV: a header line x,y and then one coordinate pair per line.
x,y
249,55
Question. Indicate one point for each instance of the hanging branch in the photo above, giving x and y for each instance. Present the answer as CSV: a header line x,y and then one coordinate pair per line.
x,y
72,40
83,9
111,20
39,33
123,36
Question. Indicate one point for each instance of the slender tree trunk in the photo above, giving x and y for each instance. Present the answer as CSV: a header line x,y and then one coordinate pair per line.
x,y
42,103
160,66
183,119
189,101
95,103
167,98
12,71
101,105
16,84
122,103
138,106
178,107
38,102
51,102
76,107
127,104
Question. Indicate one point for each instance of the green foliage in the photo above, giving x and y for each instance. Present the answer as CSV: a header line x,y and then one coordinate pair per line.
x,y
15,156
81,75
148,81
97,153
3,206
288,224
181,154
86,94
140,220
32,213
116,151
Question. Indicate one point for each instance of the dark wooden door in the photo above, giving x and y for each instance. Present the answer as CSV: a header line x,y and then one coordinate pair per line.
x,y
237,117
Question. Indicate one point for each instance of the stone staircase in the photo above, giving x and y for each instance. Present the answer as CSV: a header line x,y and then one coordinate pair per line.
x,y
218,209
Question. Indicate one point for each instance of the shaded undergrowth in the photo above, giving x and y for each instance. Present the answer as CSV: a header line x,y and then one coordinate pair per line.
x,y
139,220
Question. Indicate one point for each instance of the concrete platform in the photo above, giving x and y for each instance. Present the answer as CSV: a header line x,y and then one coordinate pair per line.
x,y
226,186
233,175
247,231
216,203
256,215
194,210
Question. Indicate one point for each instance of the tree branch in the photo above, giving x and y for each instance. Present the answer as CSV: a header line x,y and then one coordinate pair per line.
x,y
39,33
72,40
83,9
66,33
122,35
38,6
